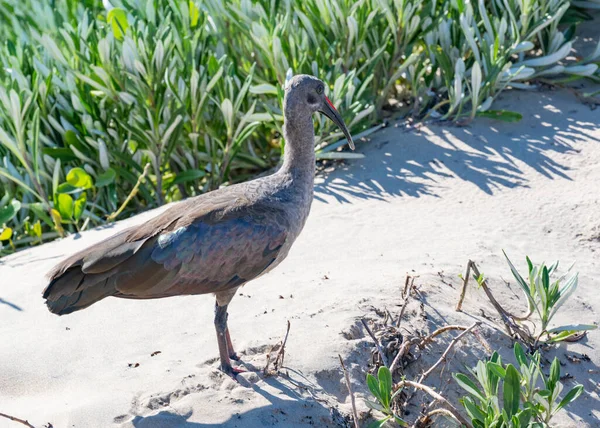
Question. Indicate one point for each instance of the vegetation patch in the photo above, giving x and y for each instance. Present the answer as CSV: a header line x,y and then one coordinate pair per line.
x,y
92,92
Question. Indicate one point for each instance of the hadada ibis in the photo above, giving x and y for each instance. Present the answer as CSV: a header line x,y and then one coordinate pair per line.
x,y
212,243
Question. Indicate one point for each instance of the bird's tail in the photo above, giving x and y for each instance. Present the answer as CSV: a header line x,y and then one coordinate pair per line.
x,y
73,290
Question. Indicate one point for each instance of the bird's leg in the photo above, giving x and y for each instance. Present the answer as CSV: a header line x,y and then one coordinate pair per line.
x,y
232,354
224,340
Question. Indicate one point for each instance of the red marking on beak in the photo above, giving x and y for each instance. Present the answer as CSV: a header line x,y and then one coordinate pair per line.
x,y
330,104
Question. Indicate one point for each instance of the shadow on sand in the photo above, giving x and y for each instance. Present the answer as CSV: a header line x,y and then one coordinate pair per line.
x,y
489,154
294,410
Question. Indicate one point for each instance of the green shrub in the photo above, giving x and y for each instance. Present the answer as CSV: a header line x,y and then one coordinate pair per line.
x,y
529,398
194,88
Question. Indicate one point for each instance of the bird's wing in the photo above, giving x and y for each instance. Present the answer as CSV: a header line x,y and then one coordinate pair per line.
x,y
192,248
206,256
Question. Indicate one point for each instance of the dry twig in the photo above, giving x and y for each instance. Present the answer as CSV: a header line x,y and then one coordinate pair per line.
x,y
512,329
425,420
447,351
403,351
463,291
21,421
377,344
354,412
428,339
406,295
437,397
131,195
278,363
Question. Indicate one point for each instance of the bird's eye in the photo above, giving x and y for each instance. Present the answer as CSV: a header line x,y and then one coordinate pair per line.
x,y
319,89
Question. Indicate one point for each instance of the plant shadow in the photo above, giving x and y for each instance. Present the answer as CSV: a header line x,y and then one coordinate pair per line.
x,y
292,402
489,154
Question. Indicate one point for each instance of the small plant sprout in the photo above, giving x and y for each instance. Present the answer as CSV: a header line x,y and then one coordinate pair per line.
x,y
545,297
382,389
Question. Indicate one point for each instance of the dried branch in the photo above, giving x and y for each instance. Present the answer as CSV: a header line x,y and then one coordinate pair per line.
x,y
403,351
437,397
428,339
377,344
281,354
21,421
425,420
278,363
512,329
464,288
354,412
406,295
447,351
133,192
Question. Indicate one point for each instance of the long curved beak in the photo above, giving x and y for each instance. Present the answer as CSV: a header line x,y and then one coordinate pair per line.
x,y
330,111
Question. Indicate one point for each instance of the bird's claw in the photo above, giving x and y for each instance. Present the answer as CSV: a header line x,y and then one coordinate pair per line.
x,y
232,371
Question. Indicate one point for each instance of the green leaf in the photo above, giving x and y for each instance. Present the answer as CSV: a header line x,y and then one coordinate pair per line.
x,y
79,206
385,384
9,211
6,234
524,416
263,88
503,115
78,177
468,385
400,421
37,229
56,217
213,66
67,188
521,282
64,205
117,18
567,331
194,14
554,374
545,278
573,327
512,391
189,175
520,354
40,211
496,369
106,178
373,385
571,396
71,139
63,153
380,423
473,410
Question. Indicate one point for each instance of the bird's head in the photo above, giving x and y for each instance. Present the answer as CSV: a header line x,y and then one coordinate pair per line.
x,y
305,95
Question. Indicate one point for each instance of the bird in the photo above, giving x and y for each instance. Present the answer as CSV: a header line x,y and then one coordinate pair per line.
x,y
212,243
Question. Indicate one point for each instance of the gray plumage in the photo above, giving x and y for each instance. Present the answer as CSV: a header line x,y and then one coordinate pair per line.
x,y
212,243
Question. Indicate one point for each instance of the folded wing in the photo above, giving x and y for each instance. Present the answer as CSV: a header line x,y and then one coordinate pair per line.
x,y
217,251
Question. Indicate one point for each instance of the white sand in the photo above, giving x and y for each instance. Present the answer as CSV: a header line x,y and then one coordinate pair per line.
x,y
420,203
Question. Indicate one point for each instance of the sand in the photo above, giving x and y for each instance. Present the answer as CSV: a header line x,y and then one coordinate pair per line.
x,y
421,202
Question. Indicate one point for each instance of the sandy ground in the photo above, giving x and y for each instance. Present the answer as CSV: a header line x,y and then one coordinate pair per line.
x,y
420,203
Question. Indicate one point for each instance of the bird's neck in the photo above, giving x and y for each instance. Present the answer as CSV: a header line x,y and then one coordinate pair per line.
x,y
299,153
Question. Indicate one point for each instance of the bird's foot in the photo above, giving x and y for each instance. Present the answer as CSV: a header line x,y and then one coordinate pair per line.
x,y
234,356
231,371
